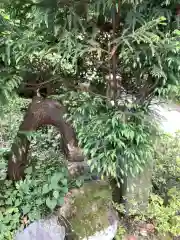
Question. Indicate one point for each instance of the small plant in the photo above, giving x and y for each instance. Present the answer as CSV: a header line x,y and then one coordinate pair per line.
x,y
167,165
163,220
120,233
166,218
39,194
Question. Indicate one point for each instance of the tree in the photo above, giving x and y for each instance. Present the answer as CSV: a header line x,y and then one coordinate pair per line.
x,y
110,49
140,34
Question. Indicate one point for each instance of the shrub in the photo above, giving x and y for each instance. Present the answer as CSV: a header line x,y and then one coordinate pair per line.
x,y
164,219
117,142
42,190
167,165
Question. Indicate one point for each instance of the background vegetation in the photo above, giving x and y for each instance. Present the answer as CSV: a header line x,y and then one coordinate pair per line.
x,y
106,61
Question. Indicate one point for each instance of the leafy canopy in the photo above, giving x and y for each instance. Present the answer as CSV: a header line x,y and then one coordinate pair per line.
x,y
66,39
64,31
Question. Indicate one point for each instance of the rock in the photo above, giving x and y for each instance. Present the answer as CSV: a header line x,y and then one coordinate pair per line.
x,y
89,212
47,229
138,191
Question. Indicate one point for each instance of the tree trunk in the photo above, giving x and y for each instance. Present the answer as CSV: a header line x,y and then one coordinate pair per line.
x,y
42,112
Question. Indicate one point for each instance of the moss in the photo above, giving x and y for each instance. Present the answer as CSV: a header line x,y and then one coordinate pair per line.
x,y
90,209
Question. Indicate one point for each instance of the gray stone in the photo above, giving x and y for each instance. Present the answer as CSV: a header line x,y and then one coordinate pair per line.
x,y
47,229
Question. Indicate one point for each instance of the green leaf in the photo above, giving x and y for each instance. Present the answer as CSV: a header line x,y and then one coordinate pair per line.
x,y
2,165
45,189
26,209
60,201
1,217
9,201
51,203
8,53
39,201
64,189
55,179
25,187
64,181
8,183
78,183
34,215
29,170
54,186
56,194
17,203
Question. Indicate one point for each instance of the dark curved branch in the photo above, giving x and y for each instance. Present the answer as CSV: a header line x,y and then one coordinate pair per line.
x,y
42,112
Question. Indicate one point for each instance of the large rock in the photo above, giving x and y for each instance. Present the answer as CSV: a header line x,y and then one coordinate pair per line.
x,y
46,229
139,188
90,213
87,214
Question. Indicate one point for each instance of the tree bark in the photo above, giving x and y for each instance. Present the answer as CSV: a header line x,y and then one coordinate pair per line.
x,y
42,112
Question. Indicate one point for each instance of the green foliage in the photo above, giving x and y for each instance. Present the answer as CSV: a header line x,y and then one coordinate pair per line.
x,y
164,202
143,53
11,116
117,140
165,219
147,43
167,165
46,182
120,233
116,143
38,195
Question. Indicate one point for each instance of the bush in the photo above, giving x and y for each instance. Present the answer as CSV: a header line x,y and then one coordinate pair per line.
x,y
117,142
38,195
164,204
167,165
46,181
11,116
164,220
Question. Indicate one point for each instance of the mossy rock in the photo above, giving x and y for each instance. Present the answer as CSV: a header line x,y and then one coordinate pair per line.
x,y
87,209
